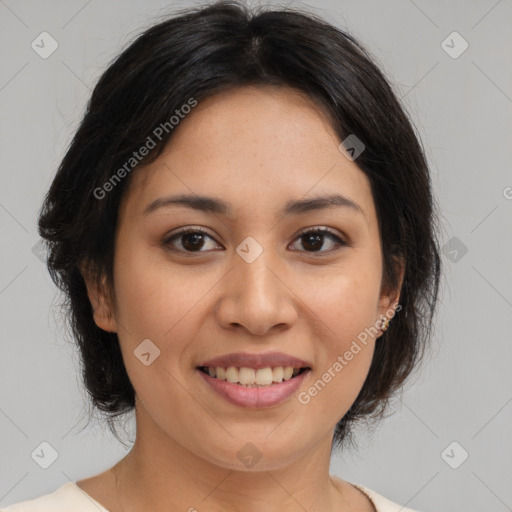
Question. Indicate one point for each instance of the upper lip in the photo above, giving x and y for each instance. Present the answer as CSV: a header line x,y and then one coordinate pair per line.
x,y
256,361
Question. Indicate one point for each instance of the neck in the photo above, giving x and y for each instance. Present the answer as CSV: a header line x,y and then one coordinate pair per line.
x,y
160,474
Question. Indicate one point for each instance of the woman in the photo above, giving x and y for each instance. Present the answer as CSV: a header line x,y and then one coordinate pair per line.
x,y
244,229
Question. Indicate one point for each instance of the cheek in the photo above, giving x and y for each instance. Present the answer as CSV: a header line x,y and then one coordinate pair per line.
x,y
154,305
153,298
344,302
345,308
163,304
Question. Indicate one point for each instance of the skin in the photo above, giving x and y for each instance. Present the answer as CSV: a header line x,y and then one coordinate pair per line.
x,y
255,148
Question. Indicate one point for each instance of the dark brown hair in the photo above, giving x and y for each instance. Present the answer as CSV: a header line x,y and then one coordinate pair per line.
x,y
200,52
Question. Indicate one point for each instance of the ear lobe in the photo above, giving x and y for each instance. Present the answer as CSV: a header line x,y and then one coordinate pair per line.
x,y
389,299
100,301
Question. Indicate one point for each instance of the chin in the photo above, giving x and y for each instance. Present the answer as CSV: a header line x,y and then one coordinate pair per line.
x,y
254,456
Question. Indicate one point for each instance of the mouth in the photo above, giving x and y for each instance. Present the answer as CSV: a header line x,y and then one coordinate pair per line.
x,y
254,377
251,380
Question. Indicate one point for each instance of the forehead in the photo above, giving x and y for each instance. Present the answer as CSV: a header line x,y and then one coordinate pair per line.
x,y
254,147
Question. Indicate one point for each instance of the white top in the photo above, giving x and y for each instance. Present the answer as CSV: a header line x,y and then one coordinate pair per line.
x,y
70,497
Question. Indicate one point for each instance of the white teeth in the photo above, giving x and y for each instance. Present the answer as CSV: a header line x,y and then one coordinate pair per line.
x,y
246,376
232,374
264,376
288,372
251,377
277,374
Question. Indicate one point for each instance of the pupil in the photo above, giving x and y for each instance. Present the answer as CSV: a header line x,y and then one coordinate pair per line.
x,y
317,241
197,241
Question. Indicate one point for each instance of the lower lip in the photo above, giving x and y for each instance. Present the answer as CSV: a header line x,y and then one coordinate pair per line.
x,y
255,397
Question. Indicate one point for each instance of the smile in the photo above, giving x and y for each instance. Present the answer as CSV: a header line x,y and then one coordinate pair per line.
x,y
244,390
253,377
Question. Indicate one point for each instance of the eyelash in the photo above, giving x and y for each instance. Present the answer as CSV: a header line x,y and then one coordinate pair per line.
x,y
322,231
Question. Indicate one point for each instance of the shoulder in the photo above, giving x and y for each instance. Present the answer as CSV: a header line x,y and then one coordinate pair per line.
x,y
381,503
67,497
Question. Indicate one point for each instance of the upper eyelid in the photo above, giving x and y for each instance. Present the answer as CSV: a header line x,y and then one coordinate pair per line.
x,y
326,229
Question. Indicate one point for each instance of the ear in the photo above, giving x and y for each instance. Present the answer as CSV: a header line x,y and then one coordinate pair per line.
x,y
100,301
389,298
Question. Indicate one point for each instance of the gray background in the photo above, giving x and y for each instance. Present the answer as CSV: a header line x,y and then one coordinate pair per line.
x,y
463,110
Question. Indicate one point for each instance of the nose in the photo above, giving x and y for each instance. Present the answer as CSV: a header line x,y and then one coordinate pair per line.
x,y
257,297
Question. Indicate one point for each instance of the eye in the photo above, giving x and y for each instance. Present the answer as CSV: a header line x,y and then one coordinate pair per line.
x,y
191,240
313,239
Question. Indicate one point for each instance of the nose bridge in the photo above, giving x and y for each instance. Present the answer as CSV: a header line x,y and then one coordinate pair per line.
x,y
257,264
256,297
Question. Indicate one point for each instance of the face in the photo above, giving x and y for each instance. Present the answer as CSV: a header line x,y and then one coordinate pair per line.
x,y
260,283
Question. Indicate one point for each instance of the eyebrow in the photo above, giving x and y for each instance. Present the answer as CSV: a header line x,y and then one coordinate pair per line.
x,y
217,206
